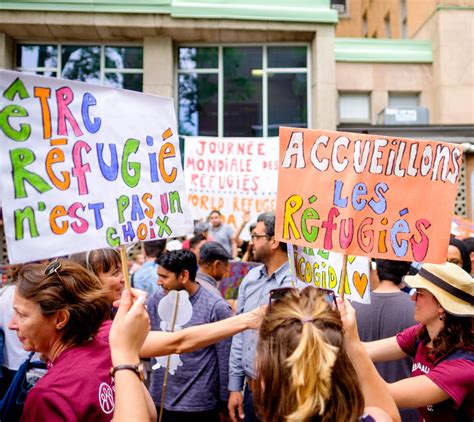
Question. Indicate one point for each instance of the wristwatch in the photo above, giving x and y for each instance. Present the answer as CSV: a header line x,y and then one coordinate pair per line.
x,y
139,369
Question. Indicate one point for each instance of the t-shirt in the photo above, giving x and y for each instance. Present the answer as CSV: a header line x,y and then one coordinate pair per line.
x,y
146,277
223,235
13,353
201,382
385,316
454,374
77,386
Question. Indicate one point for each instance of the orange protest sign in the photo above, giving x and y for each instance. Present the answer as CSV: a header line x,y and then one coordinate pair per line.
x,y
367,195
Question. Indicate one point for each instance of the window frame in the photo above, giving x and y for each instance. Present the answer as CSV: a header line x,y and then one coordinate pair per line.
x,y
102,69
407,94
265,71
345,120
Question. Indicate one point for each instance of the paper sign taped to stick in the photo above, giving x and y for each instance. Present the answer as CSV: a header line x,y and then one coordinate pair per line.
x,y
232,175
86,167
323,269
366,194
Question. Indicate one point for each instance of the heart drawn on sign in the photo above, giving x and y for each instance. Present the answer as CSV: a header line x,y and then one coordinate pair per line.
x,y
360,283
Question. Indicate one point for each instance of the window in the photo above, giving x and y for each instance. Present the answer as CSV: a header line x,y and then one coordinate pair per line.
x,y
403,18
354,107
388,28
365,27
114,66
403,99
340,6
242,90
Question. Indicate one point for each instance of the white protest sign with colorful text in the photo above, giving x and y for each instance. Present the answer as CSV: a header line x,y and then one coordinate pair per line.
x,y
324,268
86,167
232,175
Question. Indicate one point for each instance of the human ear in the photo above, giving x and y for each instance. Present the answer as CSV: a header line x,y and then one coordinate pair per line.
x,y
62,318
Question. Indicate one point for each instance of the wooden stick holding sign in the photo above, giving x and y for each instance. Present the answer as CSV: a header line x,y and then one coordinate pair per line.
x,y
124,262
343,275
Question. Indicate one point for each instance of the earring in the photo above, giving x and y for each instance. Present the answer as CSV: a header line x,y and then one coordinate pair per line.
x,y
441,317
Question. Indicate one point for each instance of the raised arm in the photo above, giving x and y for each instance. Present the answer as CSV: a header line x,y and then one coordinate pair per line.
x,y
374,388
159,343
384,350
418,391
128,331
236,236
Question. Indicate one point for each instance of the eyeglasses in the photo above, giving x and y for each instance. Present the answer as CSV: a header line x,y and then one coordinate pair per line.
x,y
416,293
256,236
455,261
53,267
276,294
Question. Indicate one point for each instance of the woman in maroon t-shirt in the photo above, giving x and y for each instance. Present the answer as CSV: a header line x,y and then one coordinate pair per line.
x,y
441,346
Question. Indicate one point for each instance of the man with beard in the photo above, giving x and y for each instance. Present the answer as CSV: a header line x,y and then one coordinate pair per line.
x,y
254,292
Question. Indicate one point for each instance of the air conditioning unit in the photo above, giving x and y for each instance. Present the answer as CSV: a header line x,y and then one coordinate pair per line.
x,y
404,116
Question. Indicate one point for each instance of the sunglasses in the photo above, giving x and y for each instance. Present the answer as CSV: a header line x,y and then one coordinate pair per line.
x,y
276,294
54,267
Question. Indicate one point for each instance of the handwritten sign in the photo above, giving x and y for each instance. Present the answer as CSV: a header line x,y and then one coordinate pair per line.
x,y
232,175
323,269
367,195
229,286
86,167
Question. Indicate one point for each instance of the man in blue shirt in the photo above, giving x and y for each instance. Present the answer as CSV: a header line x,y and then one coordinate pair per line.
x,y
197,391
145,277
254,292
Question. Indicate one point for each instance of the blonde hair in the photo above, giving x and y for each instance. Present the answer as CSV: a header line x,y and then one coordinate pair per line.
x,y
304,373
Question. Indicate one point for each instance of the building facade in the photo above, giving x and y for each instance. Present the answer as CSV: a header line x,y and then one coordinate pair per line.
x,y
243,68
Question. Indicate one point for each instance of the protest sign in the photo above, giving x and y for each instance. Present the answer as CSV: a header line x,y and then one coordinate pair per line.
x,y
323,269
232,175
229,286
367,195
85,167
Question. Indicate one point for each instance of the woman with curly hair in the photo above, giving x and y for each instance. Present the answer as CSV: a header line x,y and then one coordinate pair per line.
x,y
304,372
441,346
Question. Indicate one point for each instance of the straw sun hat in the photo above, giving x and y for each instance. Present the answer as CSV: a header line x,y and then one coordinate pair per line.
x,y
449,284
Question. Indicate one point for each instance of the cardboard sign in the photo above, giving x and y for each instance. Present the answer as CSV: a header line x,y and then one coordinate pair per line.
x,y
232,175
323,269
366,194
85,167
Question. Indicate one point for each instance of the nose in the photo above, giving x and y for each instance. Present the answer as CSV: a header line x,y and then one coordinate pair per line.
x,y
12,324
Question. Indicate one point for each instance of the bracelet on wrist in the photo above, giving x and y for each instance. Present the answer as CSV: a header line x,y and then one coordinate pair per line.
x,y
138,369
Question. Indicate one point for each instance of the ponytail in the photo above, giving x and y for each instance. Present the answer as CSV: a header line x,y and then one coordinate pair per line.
x,y
311,368
303,371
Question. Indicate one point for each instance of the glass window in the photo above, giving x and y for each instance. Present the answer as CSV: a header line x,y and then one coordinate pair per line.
x,y
123,65
242,90
198,58
124,57
198,104
81,63
403,99
286,56
34,56
354,107
286,101
132,81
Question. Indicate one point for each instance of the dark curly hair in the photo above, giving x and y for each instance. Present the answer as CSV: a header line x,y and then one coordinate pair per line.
x,y
457,333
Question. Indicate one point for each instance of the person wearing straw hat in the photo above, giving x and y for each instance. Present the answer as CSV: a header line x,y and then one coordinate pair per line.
x,y
441,345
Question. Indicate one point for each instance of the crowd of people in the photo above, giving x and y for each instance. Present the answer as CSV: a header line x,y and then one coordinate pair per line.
x,y
285,351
